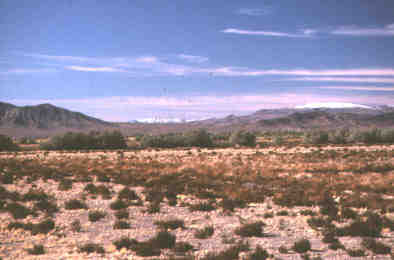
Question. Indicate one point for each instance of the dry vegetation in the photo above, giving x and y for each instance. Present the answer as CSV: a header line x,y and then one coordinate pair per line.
x,y
315,202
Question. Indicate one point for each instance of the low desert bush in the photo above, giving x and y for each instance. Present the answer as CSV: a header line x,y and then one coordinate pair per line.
x,y
96,215
154,207
231,253
202,206
375,246
75,204
308,212
182,247
204,233
371,227
251,230
120,224
171,224
282,213
122,214
48,207
125,242
36,250
231,204
118,204
35,195
127,194
302,246
76,226
43,227
258,254
18,211
163,239
355,252
92,248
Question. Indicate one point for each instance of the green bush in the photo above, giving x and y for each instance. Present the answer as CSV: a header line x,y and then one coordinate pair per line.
x,y
6,144
120,224
163,239
251,230
243,138
122,214
96,215
18,211
302,246
375,246
316,137
171,224
92,248
92,140
258,254
198,138
36,250
75,204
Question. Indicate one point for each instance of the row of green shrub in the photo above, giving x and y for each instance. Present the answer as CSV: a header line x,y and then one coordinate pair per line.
x,y
92,140
198,138
7,144
202,138
346,136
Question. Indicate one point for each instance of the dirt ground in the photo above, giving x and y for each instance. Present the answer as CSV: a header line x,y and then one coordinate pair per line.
x,y
338,198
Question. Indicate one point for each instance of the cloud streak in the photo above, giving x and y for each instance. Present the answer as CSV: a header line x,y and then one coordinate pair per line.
x,y
387,30
264,33
94,69
254,11
355,31
21,71
342,79
360,88
192,58
154,66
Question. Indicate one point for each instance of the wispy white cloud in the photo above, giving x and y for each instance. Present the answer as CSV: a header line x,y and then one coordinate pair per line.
x,y
387,30
254,11
193,58
233,71
27,71
154,66
265,33
147,59
362,88
94,69
60,58
354,30
343,79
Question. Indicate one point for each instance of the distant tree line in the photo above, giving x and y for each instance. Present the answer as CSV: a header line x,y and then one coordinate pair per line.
x,y
202,138
347,136
92,140
198,138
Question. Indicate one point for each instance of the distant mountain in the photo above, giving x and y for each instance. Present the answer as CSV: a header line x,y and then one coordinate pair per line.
x,y
305,118
332,105
49,120
45,119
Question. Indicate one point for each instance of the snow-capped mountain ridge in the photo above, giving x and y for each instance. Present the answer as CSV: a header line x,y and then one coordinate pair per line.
x,y
332,105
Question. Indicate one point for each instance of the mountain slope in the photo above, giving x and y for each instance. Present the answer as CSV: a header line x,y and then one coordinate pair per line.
x,y
45,118
49,120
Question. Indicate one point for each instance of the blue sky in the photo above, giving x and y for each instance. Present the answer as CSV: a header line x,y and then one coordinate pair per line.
x,y
123,60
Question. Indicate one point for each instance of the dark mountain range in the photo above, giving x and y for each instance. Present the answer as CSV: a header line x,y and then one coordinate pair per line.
x,y
49,120
45,119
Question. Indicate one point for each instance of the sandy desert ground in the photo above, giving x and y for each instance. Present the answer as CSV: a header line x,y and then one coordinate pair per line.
x,y
328,202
